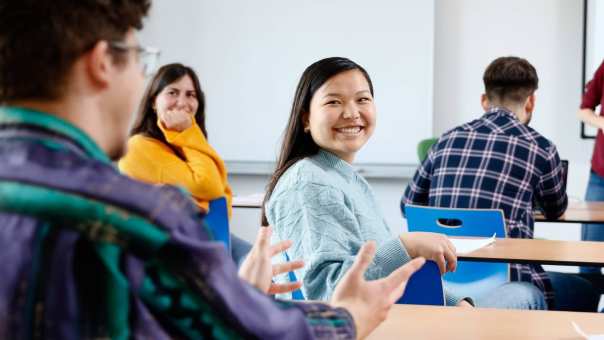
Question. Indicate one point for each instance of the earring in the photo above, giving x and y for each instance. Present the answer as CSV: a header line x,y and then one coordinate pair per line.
x,y
306,129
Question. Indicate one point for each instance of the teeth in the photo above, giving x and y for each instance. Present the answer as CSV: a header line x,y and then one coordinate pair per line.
x,y
350,130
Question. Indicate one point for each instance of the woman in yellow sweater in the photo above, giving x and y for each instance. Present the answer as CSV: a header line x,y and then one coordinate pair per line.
x,y
169,143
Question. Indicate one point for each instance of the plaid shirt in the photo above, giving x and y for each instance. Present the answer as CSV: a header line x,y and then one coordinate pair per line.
x,y
495,162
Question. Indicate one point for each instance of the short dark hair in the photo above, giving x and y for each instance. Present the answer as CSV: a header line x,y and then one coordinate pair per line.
x,y
41,39
510,79
146,123
296,144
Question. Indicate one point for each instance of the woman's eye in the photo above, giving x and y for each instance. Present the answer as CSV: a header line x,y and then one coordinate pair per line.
x,y
332,102
364,99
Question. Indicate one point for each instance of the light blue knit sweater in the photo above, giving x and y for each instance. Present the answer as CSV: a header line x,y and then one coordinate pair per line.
x,y
329,211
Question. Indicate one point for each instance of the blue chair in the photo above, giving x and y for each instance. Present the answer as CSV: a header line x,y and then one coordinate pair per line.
x,y
472,279
217,220
425,287
296,294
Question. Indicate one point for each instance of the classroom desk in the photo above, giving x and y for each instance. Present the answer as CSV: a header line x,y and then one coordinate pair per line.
x,y
579,212
431,322
253,201
566,253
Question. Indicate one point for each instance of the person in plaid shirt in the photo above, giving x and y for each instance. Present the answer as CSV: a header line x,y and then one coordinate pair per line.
x,y
498,162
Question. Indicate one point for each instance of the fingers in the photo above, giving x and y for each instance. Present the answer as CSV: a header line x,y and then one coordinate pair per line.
x,y
263,238
441,262
363,259
451,260
181,112
280,247
396,281
451,264
447,259
451,246
287,267
280,288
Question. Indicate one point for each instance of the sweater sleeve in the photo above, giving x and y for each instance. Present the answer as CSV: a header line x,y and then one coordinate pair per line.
x,y
327,236
202,172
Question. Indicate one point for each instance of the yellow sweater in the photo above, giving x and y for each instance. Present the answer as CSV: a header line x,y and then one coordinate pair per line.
x,y
202,172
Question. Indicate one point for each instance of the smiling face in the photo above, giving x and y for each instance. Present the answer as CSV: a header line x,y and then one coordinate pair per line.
x,y
342,114
177,96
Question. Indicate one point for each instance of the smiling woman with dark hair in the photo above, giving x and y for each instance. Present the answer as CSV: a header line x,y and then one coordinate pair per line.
x,y
318,200
169,143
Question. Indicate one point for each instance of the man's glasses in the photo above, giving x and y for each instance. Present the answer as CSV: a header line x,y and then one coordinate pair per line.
x,y
147,56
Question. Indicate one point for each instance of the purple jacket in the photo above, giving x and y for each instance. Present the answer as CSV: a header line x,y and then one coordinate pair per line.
x,y
88,252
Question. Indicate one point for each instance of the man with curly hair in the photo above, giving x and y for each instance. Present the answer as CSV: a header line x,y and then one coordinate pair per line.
x,y
89,253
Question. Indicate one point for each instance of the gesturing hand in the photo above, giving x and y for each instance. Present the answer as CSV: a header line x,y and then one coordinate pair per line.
x,y
258,270
369,301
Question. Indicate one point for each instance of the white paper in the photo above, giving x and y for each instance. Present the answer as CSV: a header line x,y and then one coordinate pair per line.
x,y
587,336
253,200
465,245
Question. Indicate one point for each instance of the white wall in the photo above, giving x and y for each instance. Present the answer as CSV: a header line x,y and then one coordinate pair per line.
x,y
250,55
471,33
468,35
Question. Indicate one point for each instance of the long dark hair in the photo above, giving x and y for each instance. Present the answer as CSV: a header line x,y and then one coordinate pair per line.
x,y
146,123
296,143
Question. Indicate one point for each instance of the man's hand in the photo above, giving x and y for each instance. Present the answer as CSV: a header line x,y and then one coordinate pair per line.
x,y
258,270
432,246
369,301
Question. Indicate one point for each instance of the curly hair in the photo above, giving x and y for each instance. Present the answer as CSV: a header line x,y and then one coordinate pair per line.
x,y
41,39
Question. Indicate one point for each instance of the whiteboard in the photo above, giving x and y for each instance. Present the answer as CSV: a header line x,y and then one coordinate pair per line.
x,y
249,55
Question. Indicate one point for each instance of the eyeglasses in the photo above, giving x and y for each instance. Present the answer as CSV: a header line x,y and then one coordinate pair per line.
x,y
147,56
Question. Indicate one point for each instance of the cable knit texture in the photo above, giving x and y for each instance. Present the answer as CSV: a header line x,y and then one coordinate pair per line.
x,y
329,211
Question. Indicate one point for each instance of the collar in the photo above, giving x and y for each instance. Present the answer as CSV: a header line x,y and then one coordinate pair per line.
x,y
20,115
501,110
341,166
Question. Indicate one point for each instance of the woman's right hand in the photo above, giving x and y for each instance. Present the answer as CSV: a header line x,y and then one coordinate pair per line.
x,y
432,246
176,120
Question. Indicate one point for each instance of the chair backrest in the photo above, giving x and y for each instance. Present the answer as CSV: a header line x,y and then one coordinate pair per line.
x,y
296,294
425,287
423,147
217,219
471,278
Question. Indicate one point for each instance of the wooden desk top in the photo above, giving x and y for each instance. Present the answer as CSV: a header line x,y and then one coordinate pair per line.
x,y
579,212
430,322
566,253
